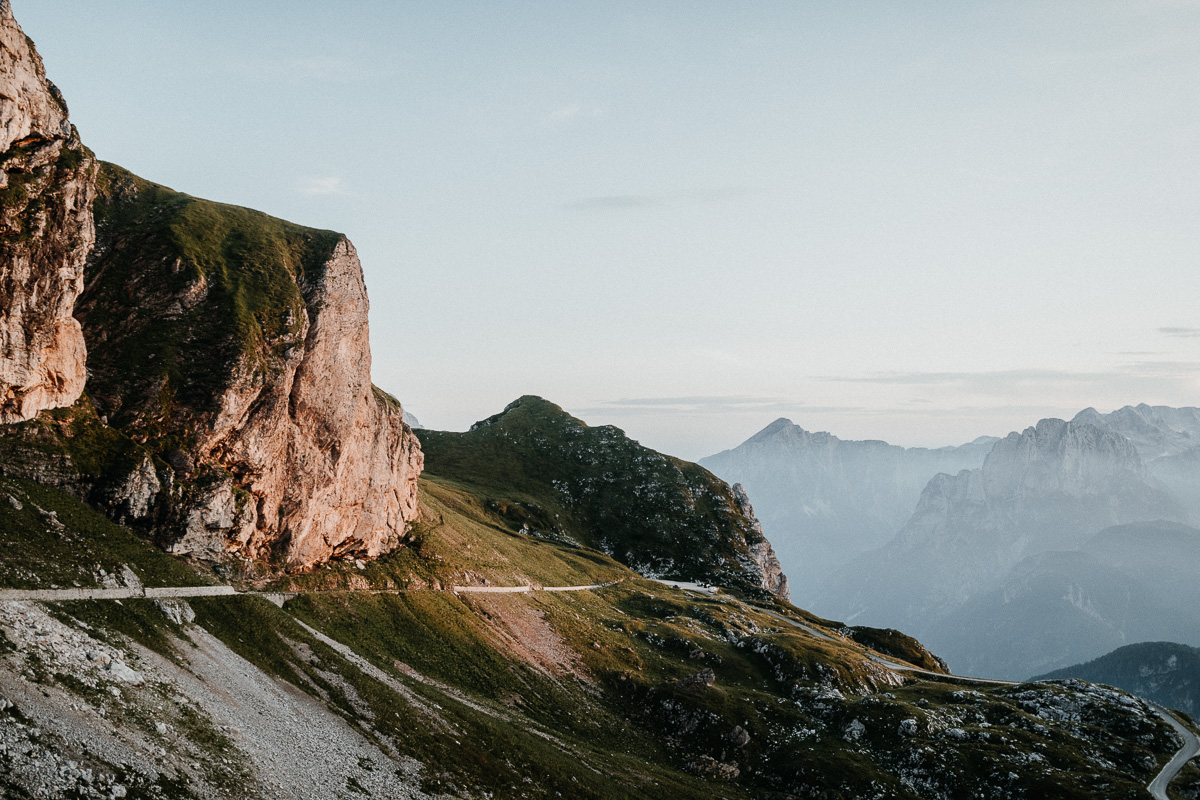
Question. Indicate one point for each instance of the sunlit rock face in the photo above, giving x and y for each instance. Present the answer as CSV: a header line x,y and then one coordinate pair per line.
x,y
236,347
47,184
331,466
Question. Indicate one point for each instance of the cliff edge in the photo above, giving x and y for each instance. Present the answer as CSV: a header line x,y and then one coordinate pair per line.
x,y
47,182
235,347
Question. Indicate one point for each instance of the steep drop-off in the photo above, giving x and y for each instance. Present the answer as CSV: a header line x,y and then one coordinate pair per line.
x,y
47,182
234,348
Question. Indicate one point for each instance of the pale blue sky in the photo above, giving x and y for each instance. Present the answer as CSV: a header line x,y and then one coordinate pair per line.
x,y
913,221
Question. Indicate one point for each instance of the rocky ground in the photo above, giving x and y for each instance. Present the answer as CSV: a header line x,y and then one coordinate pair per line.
x,y
84,718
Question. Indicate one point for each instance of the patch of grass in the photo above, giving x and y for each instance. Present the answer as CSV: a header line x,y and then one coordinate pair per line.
x,y
185,293
462,540
138,619
41,551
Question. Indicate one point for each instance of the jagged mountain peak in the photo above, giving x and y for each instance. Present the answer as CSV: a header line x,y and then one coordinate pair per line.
x,y
780,425
1089,416
1056,456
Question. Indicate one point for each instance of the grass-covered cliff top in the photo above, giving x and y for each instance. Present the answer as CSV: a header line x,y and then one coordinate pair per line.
x,y
180,289
565,480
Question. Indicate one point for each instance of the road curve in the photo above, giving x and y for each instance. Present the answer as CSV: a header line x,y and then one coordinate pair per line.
x,y
1190,749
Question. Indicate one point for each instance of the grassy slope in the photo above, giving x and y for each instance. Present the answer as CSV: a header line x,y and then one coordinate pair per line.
x,y
593,695
41,551
155,246
541,467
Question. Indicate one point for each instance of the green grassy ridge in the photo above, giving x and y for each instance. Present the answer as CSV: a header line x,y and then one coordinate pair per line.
x,y
154,245
894,643
462,540
597,487
38,554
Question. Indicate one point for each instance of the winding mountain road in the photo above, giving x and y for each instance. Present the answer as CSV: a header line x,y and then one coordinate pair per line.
x,y
1190,749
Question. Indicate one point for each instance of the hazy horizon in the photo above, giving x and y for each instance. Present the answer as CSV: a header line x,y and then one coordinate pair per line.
x,y
919,223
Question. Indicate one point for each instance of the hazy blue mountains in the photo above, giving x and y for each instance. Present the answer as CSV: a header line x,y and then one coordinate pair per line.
x,y
825,500
946,574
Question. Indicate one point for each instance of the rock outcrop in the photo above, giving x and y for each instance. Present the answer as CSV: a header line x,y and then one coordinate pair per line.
x,y
331,466
661,516
47,183
762,554
234,348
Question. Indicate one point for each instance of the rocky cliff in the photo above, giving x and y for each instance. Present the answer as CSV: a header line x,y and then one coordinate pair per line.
x,y
1168,440
762,553
234,348
47,182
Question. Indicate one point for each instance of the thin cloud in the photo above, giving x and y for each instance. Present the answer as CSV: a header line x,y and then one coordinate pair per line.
x,y
573,111
612,202
941,378
705,404
1002,380
691,401
1181,333
308,68
709,194
330,186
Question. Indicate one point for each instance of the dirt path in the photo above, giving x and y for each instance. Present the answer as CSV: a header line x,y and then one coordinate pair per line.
x,y
122,593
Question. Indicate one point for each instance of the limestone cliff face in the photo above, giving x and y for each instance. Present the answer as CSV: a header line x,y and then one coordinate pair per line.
x,y
761,551
330,465
235,348
47,183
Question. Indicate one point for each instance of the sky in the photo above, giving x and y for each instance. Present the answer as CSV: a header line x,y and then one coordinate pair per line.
x,y
921,222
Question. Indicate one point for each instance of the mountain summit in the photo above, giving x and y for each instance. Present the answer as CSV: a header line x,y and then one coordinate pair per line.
x,y
660,515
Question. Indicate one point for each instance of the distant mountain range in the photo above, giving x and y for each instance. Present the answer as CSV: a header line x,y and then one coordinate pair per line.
x,y
1062,542
1168,440
825,500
